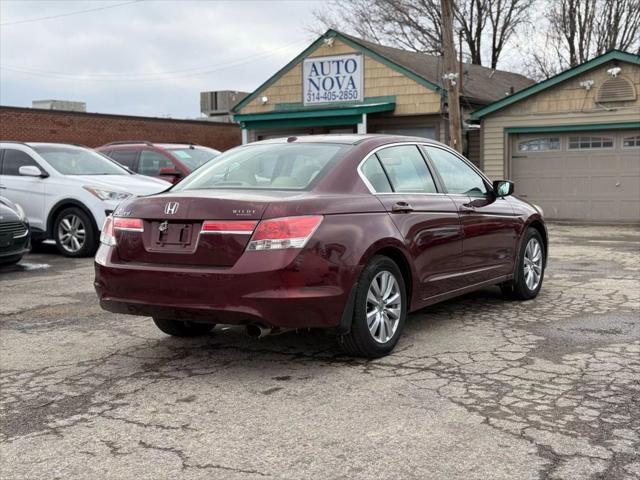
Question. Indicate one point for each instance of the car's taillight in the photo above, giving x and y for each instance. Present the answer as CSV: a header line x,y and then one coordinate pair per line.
x,y
286,232
128,224
111,224
106,235
237,227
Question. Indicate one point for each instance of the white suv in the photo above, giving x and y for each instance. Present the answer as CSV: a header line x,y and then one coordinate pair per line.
x,y
67,191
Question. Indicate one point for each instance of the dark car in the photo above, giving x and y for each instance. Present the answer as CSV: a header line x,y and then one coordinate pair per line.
x,y
15,237
169,161
348,233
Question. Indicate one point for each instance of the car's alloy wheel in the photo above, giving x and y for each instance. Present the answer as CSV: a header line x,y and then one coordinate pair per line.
x,y
532,265
379,312
529,271
74,233
384,305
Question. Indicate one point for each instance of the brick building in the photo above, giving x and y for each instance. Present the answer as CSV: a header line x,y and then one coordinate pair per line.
x,y
95,129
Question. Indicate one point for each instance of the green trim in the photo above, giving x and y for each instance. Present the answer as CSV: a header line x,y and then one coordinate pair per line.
x,y
561,77
302,122
317,113
301,106
574,128
353,44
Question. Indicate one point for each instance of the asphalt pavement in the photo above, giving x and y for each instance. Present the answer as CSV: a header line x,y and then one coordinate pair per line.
x,y
477,388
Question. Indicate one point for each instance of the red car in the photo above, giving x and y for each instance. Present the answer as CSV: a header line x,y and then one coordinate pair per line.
x,y
168,161
349,233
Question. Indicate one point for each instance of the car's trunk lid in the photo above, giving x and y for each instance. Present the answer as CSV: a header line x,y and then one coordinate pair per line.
x,y
173,228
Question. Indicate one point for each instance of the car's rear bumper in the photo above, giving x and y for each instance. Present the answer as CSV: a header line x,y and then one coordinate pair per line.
x,y
287,288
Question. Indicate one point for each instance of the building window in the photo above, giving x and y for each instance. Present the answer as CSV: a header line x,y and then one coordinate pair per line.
x,y
630,142
584,143
541,144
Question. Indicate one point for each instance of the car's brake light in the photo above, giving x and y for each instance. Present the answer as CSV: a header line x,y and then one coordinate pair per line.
x,y
128,224
286,232
106,235
237,227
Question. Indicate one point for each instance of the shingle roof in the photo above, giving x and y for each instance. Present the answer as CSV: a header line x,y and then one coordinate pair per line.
x,y
481,85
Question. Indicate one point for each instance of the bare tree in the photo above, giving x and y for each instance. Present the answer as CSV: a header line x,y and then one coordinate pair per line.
x,y
416,24
578,30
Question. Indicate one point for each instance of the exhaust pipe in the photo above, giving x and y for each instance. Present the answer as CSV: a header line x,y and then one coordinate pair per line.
x,y
258,331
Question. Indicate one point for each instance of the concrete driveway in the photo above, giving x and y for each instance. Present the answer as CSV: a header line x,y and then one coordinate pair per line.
x,y
478,388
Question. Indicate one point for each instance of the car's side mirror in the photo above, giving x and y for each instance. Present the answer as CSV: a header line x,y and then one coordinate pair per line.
x,y
503,188
31,171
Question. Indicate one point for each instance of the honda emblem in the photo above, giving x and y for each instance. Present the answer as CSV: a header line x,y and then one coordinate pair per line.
x,y
171,208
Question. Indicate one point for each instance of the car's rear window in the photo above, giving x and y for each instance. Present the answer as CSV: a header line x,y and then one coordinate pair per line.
x,y
267,167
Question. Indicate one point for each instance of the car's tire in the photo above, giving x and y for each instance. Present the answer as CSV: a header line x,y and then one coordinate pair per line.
x,y
529,270
379,316
183,328
74,233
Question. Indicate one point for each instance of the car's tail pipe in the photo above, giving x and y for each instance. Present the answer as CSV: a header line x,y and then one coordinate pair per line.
x,y
256,330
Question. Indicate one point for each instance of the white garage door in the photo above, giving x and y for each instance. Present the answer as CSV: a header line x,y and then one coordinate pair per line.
x,y
580,176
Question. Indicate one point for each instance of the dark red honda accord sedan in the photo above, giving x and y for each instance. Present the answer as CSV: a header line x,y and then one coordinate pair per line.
x,y
349,233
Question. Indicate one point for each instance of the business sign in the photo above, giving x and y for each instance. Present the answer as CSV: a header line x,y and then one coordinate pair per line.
x,y
332,79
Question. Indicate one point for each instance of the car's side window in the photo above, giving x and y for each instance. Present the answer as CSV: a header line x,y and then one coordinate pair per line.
x,y
373,172
458,177
406,169
128,158
151,162
14,159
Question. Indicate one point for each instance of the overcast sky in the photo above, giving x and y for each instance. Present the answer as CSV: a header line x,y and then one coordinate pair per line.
x,y
150,57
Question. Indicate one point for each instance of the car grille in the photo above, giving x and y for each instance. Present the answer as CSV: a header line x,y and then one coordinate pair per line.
x,y
18,229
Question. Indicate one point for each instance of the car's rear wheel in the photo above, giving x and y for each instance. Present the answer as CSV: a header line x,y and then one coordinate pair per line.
x,y
529,271
74,233
380,310
183,328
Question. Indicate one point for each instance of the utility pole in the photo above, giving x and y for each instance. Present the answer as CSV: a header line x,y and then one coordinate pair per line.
x,y
451,76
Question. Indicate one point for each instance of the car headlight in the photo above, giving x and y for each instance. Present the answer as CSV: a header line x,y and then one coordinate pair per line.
x,y
103,194
21,214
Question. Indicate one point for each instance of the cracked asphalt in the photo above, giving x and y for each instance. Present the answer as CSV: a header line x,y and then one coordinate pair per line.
x,y
478,387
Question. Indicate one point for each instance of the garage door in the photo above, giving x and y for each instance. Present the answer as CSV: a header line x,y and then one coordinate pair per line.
x,y
580,176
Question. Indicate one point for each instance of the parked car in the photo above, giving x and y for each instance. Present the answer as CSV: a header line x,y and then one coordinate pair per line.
x,y
169,161
15,240
67,191
343,232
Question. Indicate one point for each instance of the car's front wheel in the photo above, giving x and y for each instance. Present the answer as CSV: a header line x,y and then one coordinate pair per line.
x,y
74,233
529,271
183,328
380,310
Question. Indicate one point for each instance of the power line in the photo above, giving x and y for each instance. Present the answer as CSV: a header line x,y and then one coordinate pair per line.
x,y
68,14
61,76
134,76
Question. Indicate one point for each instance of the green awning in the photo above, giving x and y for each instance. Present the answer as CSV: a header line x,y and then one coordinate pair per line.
x,y
312,117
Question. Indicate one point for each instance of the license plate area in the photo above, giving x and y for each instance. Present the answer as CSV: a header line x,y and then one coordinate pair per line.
x,y
173,236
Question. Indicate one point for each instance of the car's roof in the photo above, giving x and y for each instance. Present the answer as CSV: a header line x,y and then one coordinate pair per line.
x,y
54,144
43,144
347,139
180,145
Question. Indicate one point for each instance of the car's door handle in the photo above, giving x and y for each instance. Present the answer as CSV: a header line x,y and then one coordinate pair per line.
x,y
2,187
467,209
401,207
